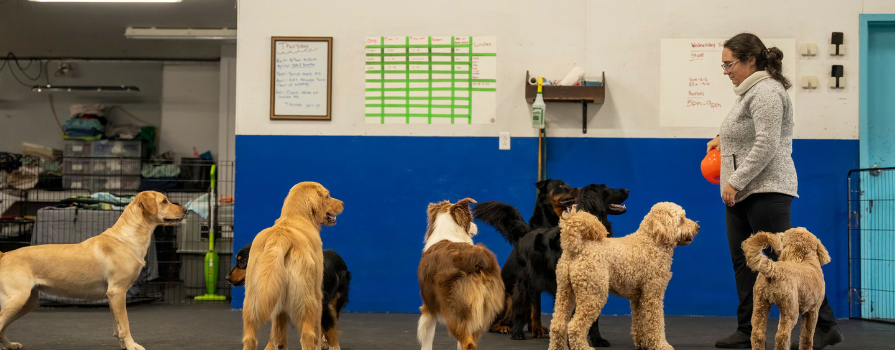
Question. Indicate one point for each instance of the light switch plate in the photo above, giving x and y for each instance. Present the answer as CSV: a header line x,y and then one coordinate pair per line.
x,y
808,49
809,82
504,141
833,50
833,83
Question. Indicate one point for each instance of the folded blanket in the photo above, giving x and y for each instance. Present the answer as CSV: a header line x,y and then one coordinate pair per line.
x,y
158,171
76,110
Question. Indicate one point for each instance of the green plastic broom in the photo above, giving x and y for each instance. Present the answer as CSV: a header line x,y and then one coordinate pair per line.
x,y
211,258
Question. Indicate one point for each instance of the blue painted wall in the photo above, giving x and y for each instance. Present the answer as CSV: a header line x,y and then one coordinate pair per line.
x,y
386,183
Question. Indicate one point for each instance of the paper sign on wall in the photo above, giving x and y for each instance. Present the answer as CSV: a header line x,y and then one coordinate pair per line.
x,y
301,78
694,92
430,80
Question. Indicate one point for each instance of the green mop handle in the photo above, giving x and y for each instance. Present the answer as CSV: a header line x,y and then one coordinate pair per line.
x,y
211,209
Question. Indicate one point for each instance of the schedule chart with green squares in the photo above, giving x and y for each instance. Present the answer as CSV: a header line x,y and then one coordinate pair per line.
x,y
430,80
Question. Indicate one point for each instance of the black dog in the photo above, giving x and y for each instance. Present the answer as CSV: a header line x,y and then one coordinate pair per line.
x,y
553,197
532,263
336,279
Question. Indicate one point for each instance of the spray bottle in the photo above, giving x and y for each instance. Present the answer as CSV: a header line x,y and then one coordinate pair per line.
x,y
538,108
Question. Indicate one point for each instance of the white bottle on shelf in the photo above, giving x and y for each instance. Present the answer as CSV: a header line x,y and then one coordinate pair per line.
x,y
538,108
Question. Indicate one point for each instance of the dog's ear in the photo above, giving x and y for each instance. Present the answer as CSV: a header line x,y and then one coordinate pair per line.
x,y
662,223
555,243
465,201
146,200
541,185
463,216
822,255
434,208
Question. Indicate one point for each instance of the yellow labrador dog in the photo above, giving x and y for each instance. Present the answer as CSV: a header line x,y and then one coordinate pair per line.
x,y
102,266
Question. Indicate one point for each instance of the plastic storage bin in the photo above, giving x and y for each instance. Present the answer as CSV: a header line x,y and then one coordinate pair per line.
x,y
115,183
192,271
123,149
116,166
190,239
76,148
78,166
77,182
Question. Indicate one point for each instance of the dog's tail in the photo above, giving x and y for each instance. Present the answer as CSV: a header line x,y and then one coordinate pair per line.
x,y
478,260
578,226
755,259
343,292
504,217
479,296
271,278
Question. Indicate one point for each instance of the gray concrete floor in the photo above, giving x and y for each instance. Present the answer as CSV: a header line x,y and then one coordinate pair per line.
x,y
216,326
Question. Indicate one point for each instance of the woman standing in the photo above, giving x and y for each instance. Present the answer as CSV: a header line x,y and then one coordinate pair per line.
x,y
758,176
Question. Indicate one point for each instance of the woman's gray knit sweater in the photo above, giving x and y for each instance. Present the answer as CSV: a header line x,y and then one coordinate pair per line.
x,y
756,140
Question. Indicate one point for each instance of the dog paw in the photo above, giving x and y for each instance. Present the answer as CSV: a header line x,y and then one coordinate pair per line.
x,y
135,346
500,329
541,332
13,346
518,336
599,342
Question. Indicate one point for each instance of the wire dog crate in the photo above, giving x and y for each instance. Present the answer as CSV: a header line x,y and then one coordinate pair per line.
x,y
57,213
871,248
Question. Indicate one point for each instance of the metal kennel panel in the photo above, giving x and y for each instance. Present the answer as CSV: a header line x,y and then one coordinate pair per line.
x,y
871,249
61,213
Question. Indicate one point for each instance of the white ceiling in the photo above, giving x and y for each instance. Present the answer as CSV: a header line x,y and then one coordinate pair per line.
x,y
96,30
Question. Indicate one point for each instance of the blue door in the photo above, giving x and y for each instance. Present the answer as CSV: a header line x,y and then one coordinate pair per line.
x,y
877,198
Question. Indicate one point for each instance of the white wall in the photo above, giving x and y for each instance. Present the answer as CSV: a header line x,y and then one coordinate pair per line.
x,y
618,37
227,104
190,96
26,116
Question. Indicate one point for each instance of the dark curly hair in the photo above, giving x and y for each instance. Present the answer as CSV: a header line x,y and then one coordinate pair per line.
x,y
748,45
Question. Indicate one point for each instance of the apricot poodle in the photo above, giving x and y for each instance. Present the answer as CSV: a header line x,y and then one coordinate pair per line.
x,y
636,267
795,283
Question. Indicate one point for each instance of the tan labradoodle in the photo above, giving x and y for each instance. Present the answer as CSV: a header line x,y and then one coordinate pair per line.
x,y
636,267
795,283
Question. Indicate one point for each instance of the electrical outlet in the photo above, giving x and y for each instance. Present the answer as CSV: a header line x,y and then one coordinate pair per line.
x,y
504,141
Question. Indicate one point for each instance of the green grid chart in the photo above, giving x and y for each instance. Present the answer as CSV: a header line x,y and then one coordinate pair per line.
x,y
430,80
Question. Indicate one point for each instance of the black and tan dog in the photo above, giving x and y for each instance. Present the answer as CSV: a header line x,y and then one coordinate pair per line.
x,y
554,196
336,278
531,267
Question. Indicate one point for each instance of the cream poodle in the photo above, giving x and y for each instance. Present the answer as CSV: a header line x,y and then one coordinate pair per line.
x,y
795,283
636,267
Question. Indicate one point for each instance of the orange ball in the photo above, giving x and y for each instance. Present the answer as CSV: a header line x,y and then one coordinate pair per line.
x,y
711,166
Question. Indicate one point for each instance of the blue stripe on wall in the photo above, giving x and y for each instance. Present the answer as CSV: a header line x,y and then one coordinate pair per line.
x,y
387,182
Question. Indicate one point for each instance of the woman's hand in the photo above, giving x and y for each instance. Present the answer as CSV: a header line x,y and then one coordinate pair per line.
x,y
714,143
728,195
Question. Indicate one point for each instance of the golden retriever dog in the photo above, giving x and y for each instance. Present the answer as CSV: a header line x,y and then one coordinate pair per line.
x,y
284,275
459,282
636,267
795,283
102,266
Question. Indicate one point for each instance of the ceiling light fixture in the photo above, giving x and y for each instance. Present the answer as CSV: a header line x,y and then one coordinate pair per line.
x,y
183,34
89,89
126,1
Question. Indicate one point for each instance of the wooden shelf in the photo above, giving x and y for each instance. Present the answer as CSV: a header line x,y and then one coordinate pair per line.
x,y
579,94
590,94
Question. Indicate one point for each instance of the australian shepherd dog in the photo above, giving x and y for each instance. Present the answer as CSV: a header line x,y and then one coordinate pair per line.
x,y
459,282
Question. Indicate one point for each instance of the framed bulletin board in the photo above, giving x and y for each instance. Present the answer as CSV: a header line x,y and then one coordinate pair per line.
x,y
301,77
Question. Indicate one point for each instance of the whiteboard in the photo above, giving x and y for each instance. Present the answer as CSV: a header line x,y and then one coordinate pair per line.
x,y
301,78
693,90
